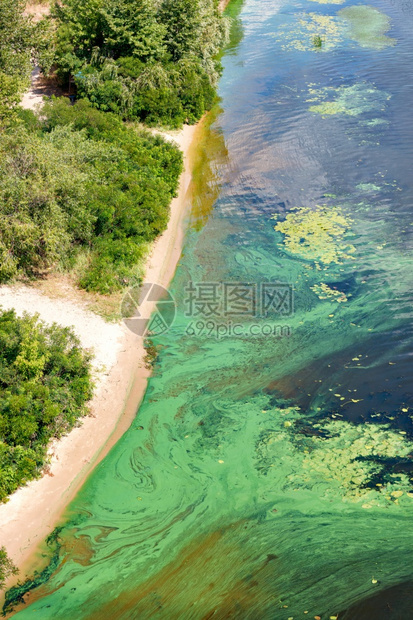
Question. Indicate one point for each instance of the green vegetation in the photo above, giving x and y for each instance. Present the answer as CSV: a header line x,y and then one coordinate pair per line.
x,y
142,59
317,234
21,41
317,41
44,387
15,52
15,595
84,191
367,26
80,190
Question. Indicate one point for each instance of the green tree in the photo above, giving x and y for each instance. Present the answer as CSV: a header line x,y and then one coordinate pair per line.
x,y
45,383
195,29
155,60
83,189
10,95
112,28
15,54
132,29
182,21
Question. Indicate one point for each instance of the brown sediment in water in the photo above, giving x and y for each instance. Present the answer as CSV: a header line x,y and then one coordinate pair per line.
x,y
209,162
199,583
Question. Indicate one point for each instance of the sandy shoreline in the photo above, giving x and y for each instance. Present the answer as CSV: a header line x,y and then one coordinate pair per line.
x,y
34,510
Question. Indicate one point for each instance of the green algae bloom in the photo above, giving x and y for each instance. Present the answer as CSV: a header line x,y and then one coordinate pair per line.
x,y
316,234
338,462
367,26
323,291
350,100
368,187
328,108
310,26
351,456
363,24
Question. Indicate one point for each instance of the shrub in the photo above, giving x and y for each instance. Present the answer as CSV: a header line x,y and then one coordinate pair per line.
x,y
124,55
44,387
85,181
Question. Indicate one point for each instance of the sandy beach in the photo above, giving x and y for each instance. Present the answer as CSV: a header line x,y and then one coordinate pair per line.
x,y
121,378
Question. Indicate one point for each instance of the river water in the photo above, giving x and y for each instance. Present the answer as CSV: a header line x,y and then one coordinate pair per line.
x,y
268,472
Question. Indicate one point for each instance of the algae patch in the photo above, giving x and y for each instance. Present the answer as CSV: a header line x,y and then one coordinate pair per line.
x,y
316,234
368,187
352,456
310,25
367,26
323,291
374,122
337,460
350,100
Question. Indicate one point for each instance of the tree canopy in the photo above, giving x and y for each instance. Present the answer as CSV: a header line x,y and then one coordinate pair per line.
x,y
45,383
15,54
82,189
146,59
7,567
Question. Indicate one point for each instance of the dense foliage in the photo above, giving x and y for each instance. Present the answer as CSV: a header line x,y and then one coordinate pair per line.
x,y
79,189
21,41
154,60
83,190
15,55
45,382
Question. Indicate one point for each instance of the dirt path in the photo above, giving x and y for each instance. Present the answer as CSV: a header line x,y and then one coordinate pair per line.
x,y
37,10
40,86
